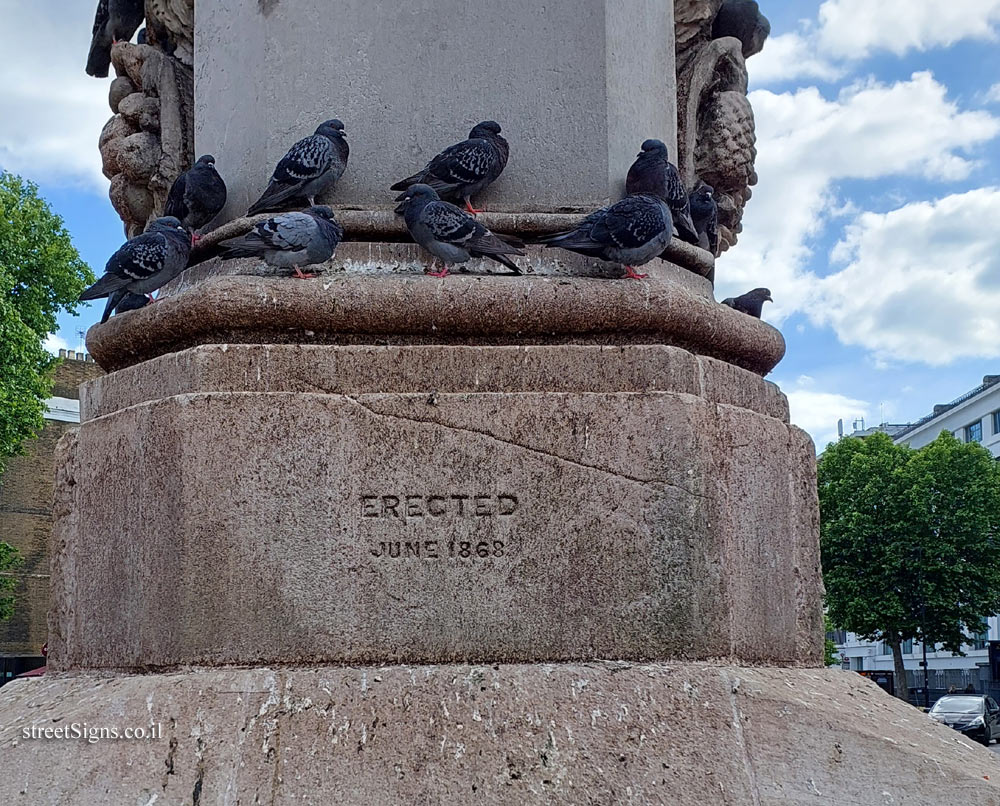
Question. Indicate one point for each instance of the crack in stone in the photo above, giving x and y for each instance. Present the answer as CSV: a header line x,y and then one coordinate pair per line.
x,y
539,451
733,686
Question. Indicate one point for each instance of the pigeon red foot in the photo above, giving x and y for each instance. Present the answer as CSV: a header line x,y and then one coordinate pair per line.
x,y
300,275
471,209
631,274
442,273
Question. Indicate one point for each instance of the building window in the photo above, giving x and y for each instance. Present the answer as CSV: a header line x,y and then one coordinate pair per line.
x,y
981,639
996,422
908,646
974,432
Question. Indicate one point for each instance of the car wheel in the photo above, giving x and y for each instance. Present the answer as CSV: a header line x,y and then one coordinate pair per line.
x,y
987,737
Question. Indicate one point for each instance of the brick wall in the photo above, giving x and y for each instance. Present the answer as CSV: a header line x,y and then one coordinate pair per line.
x,y
26,518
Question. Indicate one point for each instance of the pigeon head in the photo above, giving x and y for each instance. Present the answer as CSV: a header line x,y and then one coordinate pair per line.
x,y
166,224
655,148
206,160
420,192
172,228
415,193
331,128
703,192
321,211
485,128
762,294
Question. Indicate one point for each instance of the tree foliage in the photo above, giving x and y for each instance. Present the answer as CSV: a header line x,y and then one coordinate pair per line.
x,y
910,539
41,274
9,561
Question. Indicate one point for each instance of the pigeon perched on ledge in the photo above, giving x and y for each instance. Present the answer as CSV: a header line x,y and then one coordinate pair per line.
x,y
129,301
705,215
751,303
114,21
197,195
451,234
311,166
653,174
631,232
290,240
143,264
465,169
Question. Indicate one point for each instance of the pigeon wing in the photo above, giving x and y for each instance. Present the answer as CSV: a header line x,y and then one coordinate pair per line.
x,y
466,163
449,224
629,224
177,200
308,159
99,58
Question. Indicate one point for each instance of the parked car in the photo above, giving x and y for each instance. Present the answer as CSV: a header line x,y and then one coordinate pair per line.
x,y
975,715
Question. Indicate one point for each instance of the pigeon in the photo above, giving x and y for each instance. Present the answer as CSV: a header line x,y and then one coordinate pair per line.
x,y
197,196
115,21
310,167
652,173
705,215
129,301
632,232
451,234
465,169
144,263
141,38
290,240
750,303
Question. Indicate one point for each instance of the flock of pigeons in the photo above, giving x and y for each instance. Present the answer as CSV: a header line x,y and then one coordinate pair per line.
x,y
631,232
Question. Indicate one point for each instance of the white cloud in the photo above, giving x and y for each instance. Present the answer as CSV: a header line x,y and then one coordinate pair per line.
x,y
922,283
854,29
789,56
53,112
807,144
54,343
849,31
993,94
817,411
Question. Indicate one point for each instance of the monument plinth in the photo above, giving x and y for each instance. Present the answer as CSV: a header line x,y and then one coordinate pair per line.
x,y
377,537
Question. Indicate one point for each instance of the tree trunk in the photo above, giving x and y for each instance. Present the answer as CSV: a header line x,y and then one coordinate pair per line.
x,y
899,673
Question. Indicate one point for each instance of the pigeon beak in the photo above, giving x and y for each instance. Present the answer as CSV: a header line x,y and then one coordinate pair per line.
x,y
401,207
769,299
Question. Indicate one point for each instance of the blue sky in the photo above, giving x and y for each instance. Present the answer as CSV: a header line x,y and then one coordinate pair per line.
x,y
873,222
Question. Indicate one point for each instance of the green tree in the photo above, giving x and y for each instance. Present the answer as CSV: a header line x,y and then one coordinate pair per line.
x,y
41,274
909,540
9,561
829,646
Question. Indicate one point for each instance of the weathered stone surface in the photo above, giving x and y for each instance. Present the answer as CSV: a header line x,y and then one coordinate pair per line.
x,y
141,111
121,87
565,68
423,369
132,200
716,138
598,518
595,733
378,293
138,155
155,92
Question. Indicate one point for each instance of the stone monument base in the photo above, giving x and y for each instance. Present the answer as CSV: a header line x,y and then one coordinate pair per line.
x,y
596,733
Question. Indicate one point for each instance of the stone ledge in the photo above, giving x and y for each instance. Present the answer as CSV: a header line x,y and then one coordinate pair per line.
x,y
353,370
384,225
348,306
554,734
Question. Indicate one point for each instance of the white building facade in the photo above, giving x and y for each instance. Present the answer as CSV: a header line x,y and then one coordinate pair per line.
x,y
973,417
